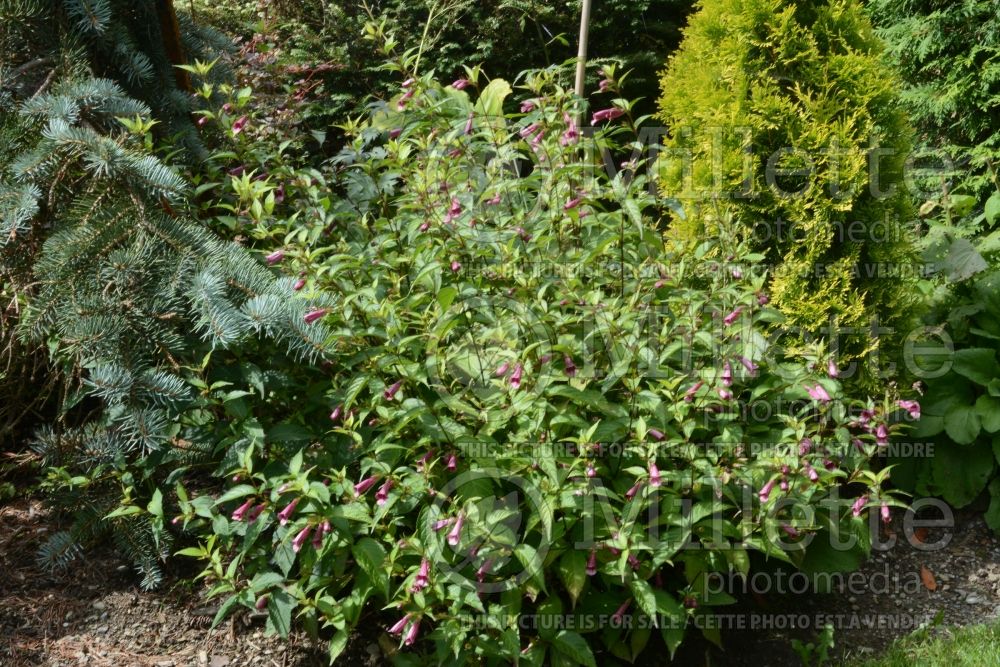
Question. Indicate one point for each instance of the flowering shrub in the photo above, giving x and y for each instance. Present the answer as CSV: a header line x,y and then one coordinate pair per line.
x,y
538,417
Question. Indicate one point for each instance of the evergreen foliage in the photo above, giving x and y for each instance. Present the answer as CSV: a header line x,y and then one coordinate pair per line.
x,y
111,270
773,106
948,53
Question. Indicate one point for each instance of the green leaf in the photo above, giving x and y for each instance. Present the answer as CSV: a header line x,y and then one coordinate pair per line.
x,y
960,473
238,491
644,596
490,103
962,424
993,512
992,210
371,557
338,644
963,261
573,572
575,647
978,364
988,409
279,613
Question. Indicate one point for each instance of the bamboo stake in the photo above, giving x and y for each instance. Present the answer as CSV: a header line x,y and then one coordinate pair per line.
x,y
581,56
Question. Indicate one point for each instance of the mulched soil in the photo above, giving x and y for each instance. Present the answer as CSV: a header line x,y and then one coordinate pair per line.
x,y
95,614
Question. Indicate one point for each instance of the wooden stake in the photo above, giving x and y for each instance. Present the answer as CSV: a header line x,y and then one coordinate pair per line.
x,y
171,31
581,56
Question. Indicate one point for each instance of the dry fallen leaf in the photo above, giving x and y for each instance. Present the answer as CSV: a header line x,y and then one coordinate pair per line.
x,y
927,577
920,535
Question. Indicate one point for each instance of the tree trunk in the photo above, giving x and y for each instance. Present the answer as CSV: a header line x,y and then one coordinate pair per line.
x,y
171,31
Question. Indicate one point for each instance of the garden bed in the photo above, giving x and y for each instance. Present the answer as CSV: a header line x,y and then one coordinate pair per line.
x,y
95,614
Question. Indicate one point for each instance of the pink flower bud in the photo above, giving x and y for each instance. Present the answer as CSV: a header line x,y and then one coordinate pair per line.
x,y
789,530
527,106
732,317
689,395
301,538
314,315
442,523
242,510
364,485
299,284
390,393
617,616
859,505
382,495
570,366
502,369
399,625
727,375
592,563
805,446
515,378
395,132
275,257
456,266
654,475
422,579
831,369
818,393
455,535
749,365
460,84
261,603
411,634
655,434
886,516
630,494
765,491
337,413
286,514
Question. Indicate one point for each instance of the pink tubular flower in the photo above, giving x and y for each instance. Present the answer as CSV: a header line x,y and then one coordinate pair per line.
x,y
818,393
275,257
411,634
655,434
859,505
689,395
456,266
408,83
633,562
502,369
570,366
390,393
529,130
422,578
227,107
240,511
468,124
399,625
882,435
314,315
727,374
301,538
364,485
456,206
886,516
256,512
452,463
630,494
527,106
591,470
455,534
606,114
725,394
460,84
765,491
602,86
912,407
617,616
337,413
286,514
805,446
789,530
442,523
811,473
318,540
240,125
572,203
515,377
654,475
749,365
732,317
382,495
483,570
326,527
592,563
831,368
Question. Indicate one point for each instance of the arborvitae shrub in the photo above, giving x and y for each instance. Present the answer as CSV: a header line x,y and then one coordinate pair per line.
x,y
760,88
